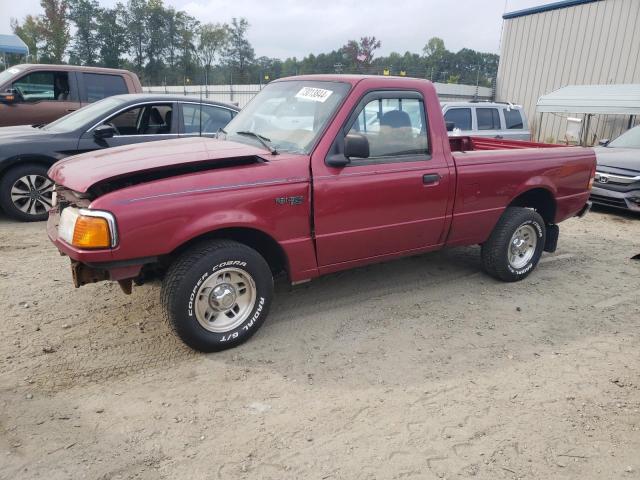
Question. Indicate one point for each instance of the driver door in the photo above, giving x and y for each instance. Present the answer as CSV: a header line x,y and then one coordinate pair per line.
x,y
138,123
392,202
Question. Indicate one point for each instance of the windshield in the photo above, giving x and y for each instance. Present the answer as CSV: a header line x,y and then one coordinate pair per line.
x,y
91,113
7,74
288,115
629,139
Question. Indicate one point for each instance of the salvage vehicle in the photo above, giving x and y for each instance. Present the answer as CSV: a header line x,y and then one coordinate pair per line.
x,y
27,151
617,182
216,219
487,119
36,94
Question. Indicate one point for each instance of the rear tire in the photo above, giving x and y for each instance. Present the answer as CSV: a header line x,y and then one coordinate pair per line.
x,y
215,296
25,193
515,246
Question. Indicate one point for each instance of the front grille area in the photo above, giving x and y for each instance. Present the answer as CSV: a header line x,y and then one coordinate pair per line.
x,y
608,201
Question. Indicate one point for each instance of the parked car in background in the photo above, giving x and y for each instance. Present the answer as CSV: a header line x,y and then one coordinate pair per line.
x,y
617,182
487,119
27,152
39,94
217,218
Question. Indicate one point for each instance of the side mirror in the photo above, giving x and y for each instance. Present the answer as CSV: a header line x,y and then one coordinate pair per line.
x,y
104,131
450,126
604,142
10,96
356,145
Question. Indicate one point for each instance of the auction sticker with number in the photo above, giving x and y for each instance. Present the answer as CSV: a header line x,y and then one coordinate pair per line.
x,y
315,94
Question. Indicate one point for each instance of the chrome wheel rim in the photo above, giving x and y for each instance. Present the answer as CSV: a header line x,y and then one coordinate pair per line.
x,y
32,194
522,246
225,300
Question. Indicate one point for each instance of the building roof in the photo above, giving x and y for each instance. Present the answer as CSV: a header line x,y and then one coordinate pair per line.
x,y
13,44
546,8
621,99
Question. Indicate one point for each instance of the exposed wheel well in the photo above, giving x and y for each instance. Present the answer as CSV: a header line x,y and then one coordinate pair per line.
x,y
264,244
541,200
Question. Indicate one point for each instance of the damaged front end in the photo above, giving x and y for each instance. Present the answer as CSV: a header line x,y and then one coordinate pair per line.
x,y
85,235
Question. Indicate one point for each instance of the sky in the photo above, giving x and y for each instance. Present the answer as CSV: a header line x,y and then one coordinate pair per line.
x,y
288,28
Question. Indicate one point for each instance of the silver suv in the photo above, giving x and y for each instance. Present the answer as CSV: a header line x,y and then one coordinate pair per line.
x,y
486,119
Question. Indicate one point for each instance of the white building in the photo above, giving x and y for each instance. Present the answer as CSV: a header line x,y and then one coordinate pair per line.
x,y
570,42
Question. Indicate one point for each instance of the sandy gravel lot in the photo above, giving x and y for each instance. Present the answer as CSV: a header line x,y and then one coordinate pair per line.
x,y
418,368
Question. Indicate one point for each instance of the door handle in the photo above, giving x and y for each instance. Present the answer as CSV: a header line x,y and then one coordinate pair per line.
x,y
71,109
431,178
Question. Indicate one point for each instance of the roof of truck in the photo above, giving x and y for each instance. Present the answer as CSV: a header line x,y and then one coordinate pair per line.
x,y
68,68
349,78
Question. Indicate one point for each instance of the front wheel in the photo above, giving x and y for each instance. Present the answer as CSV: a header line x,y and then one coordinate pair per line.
x,y
515,245
215,296
26,193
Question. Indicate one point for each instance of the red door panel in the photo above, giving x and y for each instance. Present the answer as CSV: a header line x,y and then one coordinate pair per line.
x,y
371,210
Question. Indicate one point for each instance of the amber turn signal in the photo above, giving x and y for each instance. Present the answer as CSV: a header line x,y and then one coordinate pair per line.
x,y
91,232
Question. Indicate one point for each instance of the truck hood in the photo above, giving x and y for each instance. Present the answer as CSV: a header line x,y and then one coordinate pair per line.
x,y
81,172
623,161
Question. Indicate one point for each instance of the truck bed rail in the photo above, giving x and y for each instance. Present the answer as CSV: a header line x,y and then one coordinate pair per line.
x,y
467,144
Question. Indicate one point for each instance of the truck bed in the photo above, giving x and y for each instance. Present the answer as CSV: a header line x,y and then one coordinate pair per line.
x,y
490,172
469,144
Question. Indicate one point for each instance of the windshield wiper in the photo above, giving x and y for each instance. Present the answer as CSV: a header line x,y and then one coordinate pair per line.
x,y
262,139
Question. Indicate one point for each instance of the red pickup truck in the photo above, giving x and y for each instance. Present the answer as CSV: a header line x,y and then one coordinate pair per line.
x,y
317,174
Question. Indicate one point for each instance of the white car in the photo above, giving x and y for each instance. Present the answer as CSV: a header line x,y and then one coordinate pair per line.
x,y
486,119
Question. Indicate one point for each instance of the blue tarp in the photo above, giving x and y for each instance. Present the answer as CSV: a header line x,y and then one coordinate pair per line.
x,y
13,44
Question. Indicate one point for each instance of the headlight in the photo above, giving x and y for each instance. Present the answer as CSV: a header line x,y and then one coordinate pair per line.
x,y
87,229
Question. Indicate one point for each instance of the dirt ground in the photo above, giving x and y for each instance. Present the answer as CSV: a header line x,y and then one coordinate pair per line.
x,y
418,368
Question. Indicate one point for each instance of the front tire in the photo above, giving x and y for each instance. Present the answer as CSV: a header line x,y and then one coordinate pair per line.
x,y
26,193
515,246
216,295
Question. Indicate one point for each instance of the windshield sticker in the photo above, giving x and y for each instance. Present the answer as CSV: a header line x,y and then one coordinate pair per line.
x,y
13,71
314,94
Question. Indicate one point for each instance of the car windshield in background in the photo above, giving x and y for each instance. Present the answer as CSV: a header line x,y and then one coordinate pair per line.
x,y
289,115
629,139
79,118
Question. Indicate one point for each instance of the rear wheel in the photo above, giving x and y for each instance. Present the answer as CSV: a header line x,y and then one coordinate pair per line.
x,y
515,245
26,193
215,296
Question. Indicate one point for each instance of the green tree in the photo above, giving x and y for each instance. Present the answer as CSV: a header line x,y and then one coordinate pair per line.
x,y
239,52
360,53
54,30
137,12
30,32
113,37
156,35
212,40
187,34
435,57
85,14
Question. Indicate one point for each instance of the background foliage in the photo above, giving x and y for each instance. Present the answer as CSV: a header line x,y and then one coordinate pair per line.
x,y
166,46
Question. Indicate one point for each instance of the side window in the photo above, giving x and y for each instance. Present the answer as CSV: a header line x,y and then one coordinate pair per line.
x,y
213,118
488,118
38,86
98,86
154,119
461,117
393,126
512,118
